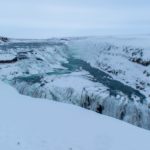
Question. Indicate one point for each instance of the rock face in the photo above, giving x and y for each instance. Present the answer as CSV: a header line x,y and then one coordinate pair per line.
x,y
99,74
123,109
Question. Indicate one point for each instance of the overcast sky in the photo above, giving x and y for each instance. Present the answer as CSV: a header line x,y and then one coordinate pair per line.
x,y
50,18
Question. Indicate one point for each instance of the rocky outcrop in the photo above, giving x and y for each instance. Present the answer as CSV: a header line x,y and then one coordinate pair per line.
x,y
3,39
7,58
8,61
140,61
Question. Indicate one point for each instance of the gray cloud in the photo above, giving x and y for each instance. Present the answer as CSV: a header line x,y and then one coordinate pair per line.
x,y
47,18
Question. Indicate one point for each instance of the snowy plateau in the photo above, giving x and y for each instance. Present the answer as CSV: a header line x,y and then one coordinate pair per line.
x,y
37,124
108,75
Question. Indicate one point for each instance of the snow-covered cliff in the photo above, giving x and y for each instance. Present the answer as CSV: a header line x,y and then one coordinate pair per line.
x,y
109,75
28,123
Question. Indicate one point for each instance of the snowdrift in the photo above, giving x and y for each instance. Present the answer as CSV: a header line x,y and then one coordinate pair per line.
x,y
37,124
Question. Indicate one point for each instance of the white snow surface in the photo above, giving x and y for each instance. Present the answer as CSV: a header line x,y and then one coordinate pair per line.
x,y
36,124
109,54
5,57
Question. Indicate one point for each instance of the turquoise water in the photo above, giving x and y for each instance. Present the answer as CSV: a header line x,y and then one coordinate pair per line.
x,y
72,66
97,76
104,78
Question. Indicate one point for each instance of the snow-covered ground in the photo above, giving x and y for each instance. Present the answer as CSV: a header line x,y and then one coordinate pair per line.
x,y
109,75
125,58
29,124
6,57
